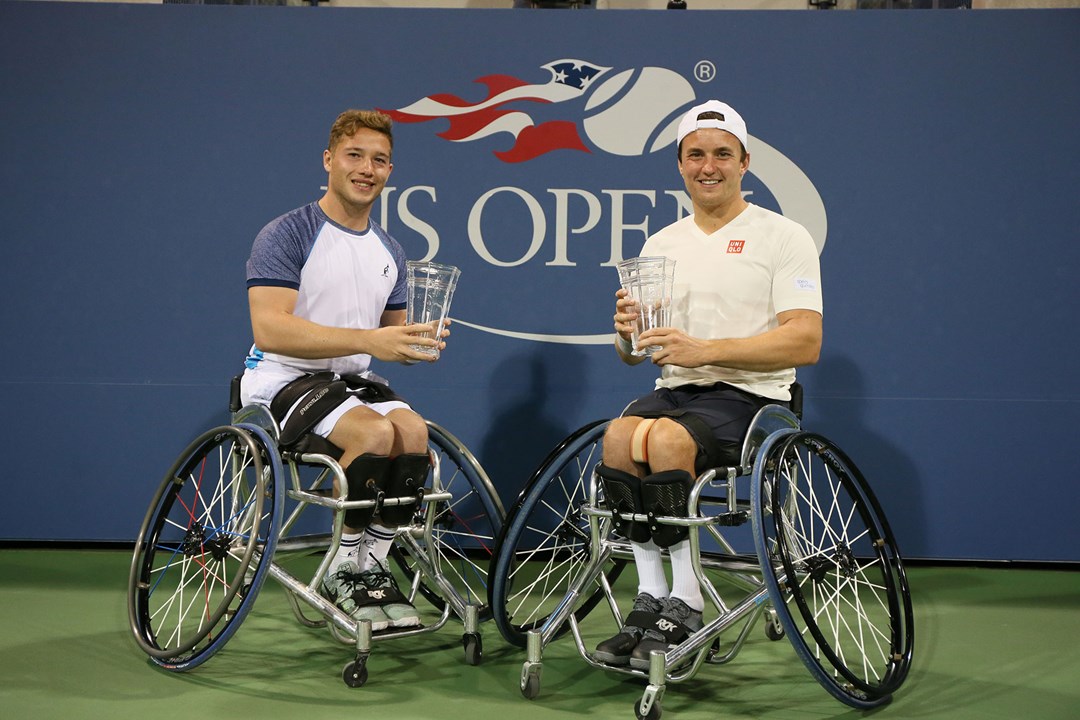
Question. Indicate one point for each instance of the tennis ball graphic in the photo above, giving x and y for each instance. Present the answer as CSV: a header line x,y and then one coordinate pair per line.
x,y
637,110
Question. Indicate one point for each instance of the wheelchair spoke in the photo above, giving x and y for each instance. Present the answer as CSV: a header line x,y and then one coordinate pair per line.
x,y
546,547
463,528
550,581
214,509
844,600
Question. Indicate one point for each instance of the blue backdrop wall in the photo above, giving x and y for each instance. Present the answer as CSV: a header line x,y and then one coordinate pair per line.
x,y
934,157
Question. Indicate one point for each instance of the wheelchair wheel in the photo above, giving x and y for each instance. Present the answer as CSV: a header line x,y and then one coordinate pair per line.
x,y
465,527
545,540
205,546
832,568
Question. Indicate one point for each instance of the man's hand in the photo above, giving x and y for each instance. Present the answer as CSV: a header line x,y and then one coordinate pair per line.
x,y
395,343
676,348
626,319
796,342
626,314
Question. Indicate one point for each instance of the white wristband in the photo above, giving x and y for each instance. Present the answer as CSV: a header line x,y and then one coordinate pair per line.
x,y
625,346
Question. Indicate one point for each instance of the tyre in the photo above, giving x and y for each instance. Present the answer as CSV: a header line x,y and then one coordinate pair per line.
x,y
205,546
832,568
545,540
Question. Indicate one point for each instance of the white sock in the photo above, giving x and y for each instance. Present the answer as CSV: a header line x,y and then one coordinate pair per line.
x,y
346,552
684,583
650,569
375,546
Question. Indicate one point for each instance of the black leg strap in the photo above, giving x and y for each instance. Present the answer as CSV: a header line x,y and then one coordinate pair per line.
x,y
666,494
367,480
622,492
408,474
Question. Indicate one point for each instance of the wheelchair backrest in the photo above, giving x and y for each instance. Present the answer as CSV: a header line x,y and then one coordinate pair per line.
x,y
768,420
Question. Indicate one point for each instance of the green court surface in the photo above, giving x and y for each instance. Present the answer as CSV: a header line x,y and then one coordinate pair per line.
x,y
990,643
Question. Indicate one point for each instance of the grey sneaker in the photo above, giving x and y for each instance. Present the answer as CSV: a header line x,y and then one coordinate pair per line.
x,y
379,587
340,588
616,649
677,622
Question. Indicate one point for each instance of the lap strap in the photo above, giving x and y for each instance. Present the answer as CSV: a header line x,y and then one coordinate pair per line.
x,y
300,405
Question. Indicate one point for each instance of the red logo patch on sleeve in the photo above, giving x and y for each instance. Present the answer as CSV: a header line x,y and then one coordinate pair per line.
x,y
735,246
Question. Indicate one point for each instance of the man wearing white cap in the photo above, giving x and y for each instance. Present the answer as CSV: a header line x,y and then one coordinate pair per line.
x,y
746,311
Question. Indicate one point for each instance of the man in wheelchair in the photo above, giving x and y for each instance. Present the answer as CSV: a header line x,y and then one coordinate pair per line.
x,y
326,293
746,310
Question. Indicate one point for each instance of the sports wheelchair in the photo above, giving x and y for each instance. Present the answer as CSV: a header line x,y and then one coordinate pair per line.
x,y
823,566
216,529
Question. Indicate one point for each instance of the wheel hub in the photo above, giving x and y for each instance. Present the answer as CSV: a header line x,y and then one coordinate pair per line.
x,y
845,560
196,543
194,540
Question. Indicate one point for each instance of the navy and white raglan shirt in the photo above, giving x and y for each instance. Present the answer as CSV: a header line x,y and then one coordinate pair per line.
x,y
344,278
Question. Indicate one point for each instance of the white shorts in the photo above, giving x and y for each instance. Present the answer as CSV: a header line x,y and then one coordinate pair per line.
x,y
326,425
262,385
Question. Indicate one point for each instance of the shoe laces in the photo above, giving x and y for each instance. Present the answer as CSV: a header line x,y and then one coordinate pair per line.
x,y
372,579
348,579
647,603
375,577
676,609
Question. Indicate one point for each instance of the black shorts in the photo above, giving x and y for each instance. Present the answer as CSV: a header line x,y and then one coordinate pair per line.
x,y
716,416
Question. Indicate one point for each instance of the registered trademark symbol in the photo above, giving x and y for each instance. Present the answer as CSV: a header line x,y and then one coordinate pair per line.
x,y
704,71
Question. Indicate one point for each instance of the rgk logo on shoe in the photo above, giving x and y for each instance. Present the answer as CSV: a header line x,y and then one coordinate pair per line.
x,y
665,625
376,594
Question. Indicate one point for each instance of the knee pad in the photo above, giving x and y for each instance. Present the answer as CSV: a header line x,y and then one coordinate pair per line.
x,y
623,494
666,494
367,481
407,476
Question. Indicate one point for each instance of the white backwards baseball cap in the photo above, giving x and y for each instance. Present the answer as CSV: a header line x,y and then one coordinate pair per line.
x,y
732,121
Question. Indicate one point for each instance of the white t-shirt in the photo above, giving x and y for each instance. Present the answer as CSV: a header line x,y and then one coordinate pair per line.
x,y
344,279
732,284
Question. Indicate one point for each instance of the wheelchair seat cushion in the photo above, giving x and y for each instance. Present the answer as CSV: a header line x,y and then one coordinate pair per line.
x,y
312,443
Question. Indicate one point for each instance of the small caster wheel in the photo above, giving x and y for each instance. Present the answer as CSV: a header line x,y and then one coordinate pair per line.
x,y
653,714
773,632
474,648
531,689
355,674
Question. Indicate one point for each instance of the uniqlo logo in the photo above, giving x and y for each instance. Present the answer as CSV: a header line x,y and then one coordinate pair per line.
x,y
735,246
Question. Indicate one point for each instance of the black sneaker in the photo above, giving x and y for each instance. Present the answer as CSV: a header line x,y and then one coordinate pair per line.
x,y
616,650
677,622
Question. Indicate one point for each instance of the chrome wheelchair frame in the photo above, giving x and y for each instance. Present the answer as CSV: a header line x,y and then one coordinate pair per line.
x,y
825,570
216,529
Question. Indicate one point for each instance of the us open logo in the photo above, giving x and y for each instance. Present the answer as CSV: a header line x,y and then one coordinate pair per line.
x,y
585,109
626,113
